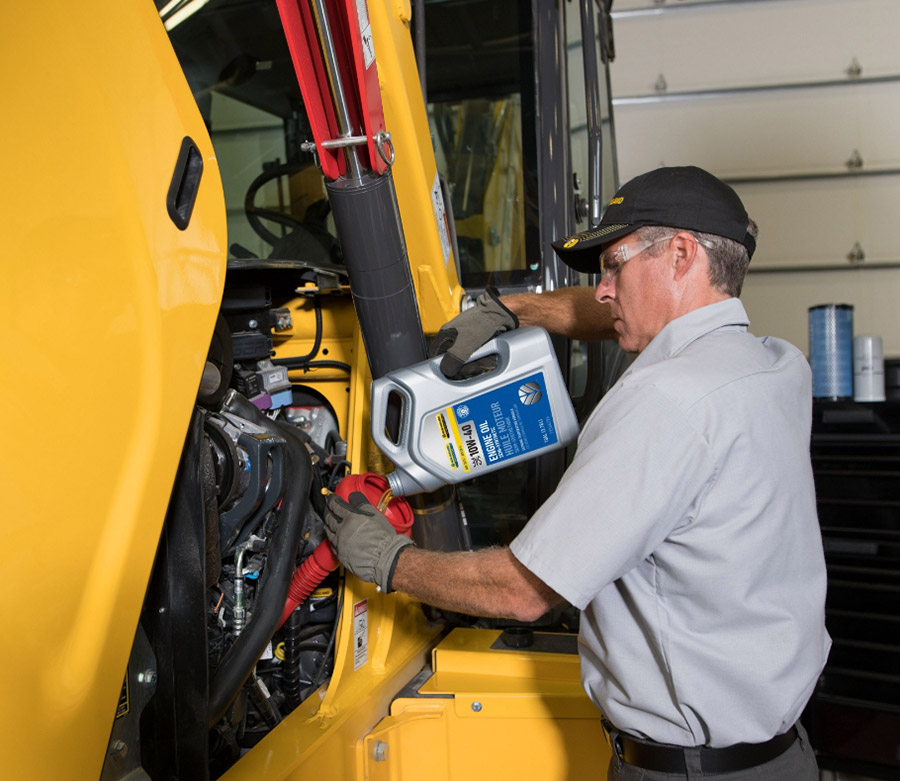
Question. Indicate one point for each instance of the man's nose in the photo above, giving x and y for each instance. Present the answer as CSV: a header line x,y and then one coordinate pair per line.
x,y
606,291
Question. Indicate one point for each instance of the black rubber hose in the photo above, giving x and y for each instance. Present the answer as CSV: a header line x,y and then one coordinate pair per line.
x,y
320,675
303,360
292,684
243,655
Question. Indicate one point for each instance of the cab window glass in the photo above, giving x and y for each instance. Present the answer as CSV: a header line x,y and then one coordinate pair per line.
x,y
236,61
480,77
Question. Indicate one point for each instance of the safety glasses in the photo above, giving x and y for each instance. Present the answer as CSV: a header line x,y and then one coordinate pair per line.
x,y
612,260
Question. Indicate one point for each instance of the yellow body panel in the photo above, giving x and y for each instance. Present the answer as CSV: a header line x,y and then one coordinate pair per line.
x,y
322,738
415,170
489,713
107,314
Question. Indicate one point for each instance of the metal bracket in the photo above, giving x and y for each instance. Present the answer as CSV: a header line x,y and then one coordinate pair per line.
x,y
382,141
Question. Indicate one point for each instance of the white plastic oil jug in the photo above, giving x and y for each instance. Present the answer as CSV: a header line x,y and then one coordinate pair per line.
x,y
453,430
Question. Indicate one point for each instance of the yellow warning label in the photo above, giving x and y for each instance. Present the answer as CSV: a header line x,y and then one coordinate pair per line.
x,y
442,425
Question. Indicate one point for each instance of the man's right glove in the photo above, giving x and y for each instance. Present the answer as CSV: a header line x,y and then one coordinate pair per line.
x,y
363,539
466,332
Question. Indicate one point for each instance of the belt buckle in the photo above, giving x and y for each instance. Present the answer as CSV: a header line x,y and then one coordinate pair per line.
x,y
613,740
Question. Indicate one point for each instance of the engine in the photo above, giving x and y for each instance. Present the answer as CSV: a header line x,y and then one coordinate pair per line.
x,y
239,621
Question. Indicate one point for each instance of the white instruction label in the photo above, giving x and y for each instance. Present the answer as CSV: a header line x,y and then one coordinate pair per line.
x,y
365,31
440,215
360,634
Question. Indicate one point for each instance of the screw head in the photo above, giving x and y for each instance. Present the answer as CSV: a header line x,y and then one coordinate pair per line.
x,y
118,748
476,706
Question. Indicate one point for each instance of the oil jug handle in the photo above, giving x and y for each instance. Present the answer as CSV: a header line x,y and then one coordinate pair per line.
x,y
380,401
498,346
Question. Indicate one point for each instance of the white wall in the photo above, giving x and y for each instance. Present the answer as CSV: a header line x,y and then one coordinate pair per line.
x,y
777,137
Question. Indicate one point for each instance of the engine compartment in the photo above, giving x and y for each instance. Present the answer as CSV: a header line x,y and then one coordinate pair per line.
x,y
239,622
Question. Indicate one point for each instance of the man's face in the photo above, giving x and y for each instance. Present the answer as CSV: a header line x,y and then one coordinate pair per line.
x,y
638,291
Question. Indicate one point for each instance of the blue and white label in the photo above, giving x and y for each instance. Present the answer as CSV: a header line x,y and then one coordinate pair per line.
x,y
502,424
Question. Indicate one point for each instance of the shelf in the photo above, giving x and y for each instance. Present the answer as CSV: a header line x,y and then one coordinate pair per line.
x,y
718,92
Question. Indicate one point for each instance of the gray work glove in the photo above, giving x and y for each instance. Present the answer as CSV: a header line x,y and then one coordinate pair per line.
x,y
363,539
466,332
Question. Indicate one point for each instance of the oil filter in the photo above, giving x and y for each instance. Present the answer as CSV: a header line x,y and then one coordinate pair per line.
x,y
831,350
868,368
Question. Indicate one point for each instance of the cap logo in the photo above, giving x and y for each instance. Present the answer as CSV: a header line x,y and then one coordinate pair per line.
x,y
571,243
615,201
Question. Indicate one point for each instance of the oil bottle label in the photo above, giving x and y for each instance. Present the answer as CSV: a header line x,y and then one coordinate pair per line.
x,y
501,424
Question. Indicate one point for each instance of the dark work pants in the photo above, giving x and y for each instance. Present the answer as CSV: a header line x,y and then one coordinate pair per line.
x,y
798,763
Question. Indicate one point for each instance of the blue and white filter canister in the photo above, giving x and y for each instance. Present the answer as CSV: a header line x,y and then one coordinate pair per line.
x,y
831,350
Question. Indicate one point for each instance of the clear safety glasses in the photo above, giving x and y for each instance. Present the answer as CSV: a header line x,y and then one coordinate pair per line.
x,y
612,261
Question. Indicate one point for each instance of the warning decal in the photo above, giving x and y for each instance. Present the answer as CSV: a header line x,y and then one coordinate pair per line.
x,y
365,31
360,634
123,707
440,216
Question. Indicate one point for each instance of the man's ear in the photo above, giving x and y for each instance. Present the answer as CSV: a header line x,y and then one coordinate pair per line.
x,y
686,253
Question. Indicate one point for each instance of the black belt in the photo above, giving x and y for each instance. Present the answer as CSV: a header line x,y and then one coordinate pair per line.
x,y
671,759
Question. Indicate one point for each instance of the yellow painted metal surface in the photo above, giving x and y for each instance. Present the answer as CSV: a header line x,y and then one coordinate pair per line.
x,y
323,737
339,327
415,170
489,713
107,311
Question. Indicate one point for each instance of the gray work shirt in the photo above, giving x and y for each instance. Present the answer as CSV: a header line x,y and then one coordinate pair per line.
x,y
685,529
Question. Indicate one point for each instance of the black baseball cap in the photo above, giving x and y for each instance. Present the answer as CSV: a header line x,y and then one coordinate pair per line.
x,y
684,197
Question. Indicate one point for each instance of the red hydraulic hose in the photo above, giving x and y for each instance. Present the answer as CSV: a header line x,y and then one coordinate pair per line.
x,y
316,567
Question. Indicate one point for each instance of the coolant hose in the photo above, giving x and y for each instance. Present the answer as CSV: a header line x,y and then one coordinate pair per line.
x,y
323,559
243,655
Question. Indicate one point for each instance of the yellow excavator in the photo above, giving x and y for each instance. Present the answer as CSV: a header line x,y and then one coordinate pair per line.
x,y
233,215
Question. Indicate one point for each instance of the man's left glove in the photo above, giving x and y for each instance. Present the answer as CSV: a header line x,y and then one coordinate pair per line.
x,y
469,330
364,539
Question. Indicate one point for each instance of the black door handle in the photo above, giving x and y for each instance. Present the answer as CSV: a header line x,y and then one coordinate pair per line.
x,y
185,183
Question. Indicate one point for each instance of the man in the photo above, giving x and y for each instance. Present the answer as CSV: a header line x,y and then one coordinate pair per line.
x,y
685,528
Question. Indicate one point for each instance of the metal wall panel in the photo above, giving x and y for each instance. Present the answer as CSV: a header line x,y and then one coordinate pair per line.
x,y
762,133
745,99
739,43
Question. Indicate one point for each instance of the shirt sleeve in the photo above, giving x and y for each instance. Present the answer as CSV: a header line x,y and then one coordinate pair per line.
x,y
641,471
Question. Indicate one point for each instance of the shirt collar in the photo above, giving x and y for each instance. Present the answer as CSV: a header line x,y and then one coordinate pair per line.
x,y
683,330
